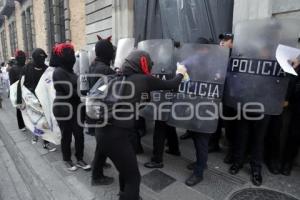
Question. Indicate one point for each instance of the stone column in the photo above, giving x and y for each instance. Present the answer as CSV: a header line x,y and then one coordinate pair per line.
x,y
122,19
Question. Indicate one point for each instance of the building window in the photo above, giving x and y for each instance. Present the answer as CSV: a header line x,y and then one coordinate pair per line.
x,y
56,22
13,37
28,30
4,45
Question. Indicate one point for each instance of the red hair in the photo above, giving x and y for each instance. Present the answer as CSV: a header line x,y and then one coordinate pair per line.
x,y
19,53
59,48
144,65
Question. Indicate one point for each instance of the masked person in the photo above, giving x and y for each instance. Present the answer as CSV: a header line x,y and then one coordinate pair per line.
x,y
114,137
101,66
65,107
32,73
15,72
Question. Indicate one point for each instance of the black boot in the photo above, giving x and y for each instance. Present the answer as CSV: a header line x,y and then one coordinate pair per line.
x,y
154,165
103,180
235,168
256,176
186,136
193,180
286,169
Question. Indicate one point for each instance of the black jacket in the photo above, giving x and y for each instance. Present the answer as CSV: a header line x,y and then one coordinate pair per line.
x,y
33,74
98,67
15,73
141,84
63,90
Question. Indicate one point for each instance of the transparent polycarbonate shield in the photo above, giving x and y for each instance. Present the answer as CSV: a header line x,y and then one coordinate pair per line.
x,y
124,48
255,79
84,70
196,105
91,55
164,67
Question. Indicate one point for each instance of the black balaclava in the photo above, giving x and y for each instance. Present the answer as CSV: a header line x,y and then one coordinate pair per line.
x,y
54,59
39,56
137,62
66,54
104,51
20,58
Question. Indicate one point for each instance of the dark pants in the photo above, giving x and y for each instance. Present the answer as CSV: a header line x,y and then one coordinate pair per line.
x,y
273,140
201,141
115,145
20,120
250,132
69,128
293,139
163,131
99,158
229,126
215,137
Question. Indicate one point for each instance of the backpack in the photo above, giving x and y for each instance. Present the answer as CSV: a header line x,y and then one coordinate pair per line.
x,y
102,98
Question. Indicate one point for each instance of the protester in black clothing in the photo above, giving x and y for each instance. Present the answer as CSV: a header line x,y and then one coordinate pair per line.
x,y
114,139
66,105
32,74
101,66
163,131
14,75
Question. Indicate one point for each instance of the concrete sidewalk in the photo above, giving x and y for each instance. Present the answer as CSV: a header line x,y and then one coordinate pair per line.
x,y
30,172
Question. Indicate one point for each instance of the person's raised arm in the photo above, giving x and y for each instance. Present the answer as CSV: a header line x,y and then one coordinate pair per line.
x,y
158,84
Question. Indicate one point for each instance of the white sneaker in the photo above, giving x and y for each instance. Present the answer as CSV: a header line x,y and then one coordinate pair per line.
x,y
83,165
23,129
34,141
70,166
49,147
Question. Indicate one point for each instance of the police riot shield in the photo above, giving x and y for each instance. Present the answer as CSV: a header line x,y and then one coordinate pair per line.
x,y
76,67
196,104
125,46
91,55
84,70
255,80
164,67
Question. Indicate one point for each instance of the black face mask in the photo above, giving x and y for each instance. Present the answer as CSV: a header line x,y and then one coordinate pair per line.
x,y
21,60
39,56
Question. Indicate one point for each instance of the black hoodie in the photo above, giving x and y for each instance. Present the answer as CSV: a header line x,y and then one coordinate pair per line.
x,y
34,70
101,66
17,68
142,83
64,72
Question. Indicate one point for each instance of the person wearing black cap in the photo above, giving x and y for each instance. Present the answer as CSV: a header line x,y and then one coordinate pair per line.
x,y
32,73
114,138
14,75
101,66
66,104
226,40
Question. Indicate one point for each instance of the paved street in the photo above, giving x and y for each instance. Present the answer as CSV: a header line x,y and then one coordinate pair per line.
x,y
29,172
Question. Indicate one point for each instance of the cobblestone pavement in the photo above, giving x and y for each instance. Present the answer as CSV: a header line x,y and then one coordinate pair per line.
x,y
30,172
